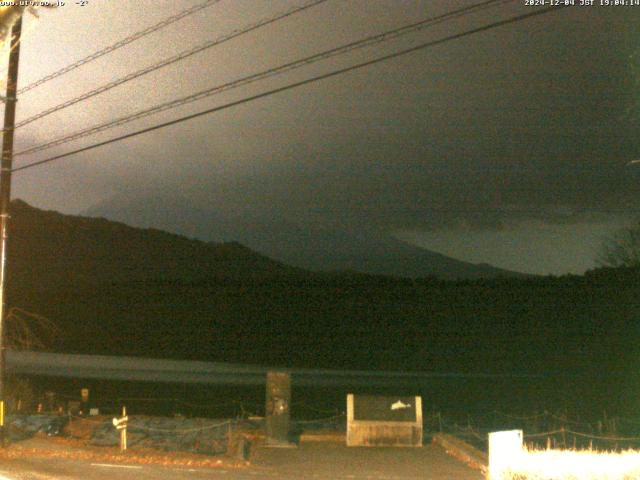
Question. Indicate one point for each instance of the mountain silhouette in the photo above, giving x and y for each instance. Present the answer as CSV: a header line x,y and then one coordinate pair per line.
x,y
113,289
315,248
50,245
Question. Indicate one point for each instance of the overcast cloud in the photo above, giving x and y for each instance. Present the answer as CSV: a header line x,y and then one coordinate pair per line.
x,y
507,144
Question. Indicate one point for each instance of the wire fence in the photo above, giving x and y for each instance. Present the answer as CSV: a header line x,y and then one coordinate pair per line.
x,y
544,430
303,412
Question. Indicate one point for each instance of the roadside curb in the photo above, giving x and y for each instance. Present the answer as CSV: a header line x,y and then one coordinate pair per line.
x,y
462,451
324,436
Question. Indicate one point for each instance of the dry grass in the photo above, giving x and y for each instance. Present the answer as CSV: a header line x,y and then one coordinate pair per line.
x,y
64,448
576,465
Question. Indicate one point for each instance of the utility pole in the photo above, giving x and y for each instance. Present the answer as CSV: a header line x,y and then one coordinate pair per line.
x,y
6,165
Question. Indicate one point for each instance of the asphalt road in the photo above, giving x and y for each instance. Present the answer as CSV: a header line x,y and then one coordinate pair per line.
x,y
313,461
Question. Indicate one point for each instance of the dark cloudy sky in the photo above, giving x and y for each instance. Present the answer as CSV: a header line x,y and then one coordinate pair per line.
x,y
507,147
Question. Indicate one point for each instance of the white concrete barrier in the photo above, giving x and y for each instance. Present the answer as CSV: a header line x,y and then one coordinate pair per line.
x,y
505,450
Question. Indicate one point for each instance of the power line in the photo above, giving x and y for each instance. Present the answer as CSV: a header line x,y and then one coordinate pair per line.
x,y
368,41
291,86
168,61
121,43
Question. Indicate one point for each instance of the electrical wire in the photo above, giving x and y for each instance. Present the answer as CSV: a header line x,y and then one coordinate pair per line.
x,y
271,72
168,61
291,86
121,43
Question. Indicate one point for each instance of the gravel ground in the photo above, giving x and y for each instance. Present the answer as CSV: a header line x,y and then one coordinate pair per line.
x,y
42,460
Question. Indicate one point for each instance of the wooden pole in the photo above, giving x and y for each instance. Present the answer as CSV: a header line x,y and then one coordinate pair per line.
x,y
5,194
123,432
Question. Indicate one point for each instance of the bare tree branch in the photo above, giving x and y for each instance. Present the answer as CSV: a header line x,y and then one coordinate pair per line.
x,y
621,249
29,331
